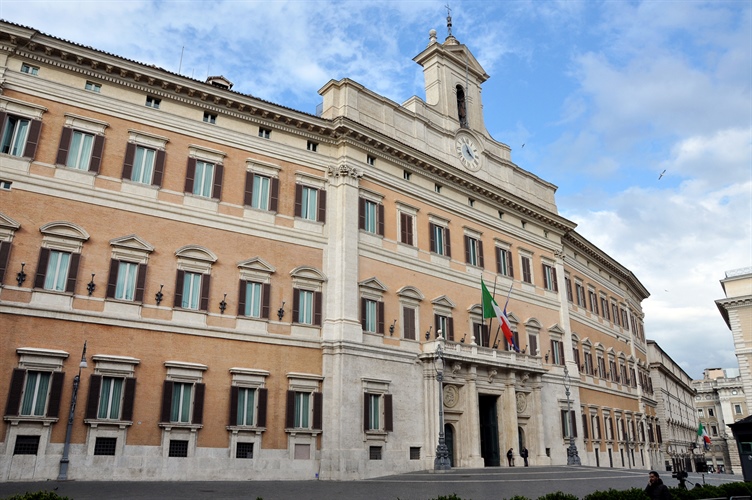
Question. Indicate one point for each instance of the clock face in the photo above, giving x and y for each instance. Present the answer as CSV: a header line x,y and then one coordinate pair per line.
x,y
468,153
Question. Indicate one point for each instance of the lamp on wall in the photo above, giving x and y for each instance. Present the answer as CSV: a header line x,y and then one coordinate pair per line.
x,y
63,474
428,333
159,295
391,327
573,458
281,311
91,286
549,352
21,276
442,461
223,305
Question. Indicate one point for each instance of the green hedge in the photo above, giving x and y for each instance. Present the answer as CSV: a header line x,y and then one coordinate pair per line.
x,y
38,495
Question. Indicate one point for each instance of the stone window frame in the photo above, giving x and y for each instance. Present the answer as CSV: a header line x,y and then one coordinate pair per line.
x,y
410,298
301,438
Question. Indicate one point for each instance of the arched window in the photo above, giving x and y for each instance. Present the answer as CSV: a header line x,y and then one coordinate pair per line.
x,y
461,106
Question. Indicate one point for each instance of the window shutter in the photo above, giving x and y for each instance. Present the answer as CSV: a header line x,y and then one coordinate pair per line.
x,y
432,236
290,410
298,200
480,253
198,403
318,405
14,393
380,317
322,205
361,213
4,257
573,420
388,419
129,396
366,412
140,283
499,268
436,324
32,139
263,395
564,433
234,391
450,327
205,281
130,155
241,299
159,166
2,122
112,280
408,323
380,222
448,243
295,305
44,257
219,171
166,400
56,390
190,174
561,353
509,260
274,195
92,402
96,154
75,259
266,292
556,282
467,249
248,196
317,308
363,303
62,150
178,293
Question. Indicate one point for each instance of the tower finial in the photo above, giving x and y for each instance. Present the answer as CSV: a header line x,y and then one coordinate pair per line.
x,y
449,20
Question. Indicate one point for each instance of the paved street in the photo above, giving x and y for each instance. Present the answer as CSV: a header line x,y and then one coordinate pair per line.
x,y
475,484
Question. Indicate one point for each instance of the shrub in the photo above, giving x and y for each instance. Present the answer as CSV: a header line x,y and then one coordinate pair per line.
x,y
612,494
559,496
38,495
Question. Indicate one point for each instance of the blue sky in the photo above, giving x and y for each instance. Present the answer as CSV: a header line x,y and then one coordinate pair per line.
x,y
604,95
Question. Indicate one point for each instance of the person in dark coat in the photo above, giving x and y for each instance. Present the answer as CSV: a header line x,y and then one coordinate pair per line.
x,y
655,489
510,457
523,454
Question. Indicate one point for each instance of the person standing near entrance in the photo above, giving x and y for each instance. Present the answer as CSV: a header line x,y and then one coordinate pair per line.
x,y
510,457
523,454
655,489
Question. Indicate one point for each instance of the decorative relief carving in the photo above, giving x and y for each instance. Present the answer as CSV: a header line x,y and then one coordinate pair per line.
x,y
456,368
451,396
491,374
345,171
521,402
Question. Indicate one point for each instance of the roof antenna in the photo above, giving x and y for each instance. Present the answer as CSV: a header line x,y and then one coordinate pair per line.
x,y
180,66
449,20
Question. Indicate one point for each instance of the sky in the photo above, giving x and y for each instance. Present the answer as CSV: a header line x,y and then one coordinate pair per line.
x,y
605,96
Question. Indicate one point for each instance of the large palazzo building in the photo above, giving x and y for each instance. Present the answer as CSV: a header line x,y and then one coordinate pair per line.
x,y
262,291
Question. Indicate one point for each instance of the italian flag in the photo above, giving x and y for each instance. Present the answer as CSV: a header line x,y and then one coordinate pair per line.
x,y
492,310
702,433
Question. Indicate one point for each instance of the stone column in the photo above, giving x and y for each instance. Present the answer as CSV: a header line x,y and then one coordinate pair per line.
x,y
472,420
536,423
509,419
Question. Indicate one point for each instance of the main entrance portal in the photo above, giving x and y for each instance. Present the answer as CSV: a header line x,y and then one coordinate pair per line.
x,y
489,430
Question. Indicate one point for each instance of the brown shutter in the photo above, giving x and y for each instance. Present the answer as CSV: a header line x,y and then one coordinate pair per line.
x,y
573,419
130,155
361,213
248,196
498,260
388,420
263,396
44,257
129,397
112,279
380,222
298,200
447,241
241,299
561,353
62,150
432,236
166,400
480,253
219,171
380,317
56,391
318,404
274,195
13,404
290,410
92,401
190,174
408,323
266,292
159,167
509,259
317,308
450,327
556,282
198,404
4,257
205,281
467,249
32,139
140,283
2,122
363,303
234,392
436,324
75,259
96,154
322,206
179,292
295,305
366,412
563,423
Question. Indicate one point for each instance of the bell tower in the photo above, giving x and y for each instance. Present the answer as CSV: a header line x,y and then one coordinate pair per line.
x,y
453,79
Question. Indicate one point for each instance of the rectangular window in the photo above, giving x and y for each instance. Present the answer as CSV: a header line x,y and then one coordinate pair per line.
x,y
180,409
406,228
370,217
302,410
204,179
191,291
408,323
374,414
549,278
440,240
264,133
253,299
246,406
568,424
504,262
305,307
737,409
26,445
374,452
557,354
110,398
370,159
312,146
415,453
471,202
79,152
34,402
105,446
178,448
568,286
711,412
309,207
153,102
370,315
604,308
5,185
601,367
593,301
580,294
126,281
93,87
527,276
31,70
210,117
615,313
244,450
437,188
588,363
406,175
143,165
16,130
473,251
260,195
57,271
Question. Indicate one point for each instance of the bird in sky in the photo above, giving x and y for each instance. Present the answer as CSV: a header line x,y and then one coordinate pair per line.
x,y
660,176
523,145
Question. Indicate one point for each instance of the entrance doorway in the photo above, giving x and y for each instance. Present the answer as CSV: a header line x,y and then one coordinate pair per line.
x,y
489,431
449,440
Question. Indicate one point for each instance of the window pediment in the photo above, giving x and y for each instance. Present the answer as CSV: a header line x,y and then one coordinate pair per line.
x,y
8,227
257,264
443,301
373,284
64,229
556,329
195,252
307,273
515,320
533,323
410,292
131,247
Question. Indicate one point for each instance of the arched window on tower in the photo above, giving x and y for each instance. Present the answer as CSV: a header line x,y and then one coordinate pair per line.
x,y
461,106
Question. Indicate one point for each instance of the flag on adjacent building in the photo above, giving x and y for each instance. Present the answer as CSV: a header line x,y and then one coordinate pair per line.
x,y
492,310
702,433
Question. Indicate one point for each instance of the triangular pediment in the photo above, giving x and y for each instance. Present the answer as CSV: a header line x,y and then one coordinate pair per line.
x,y
373,283
8,223
443,301
257,264
132,242
512,318
556,329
